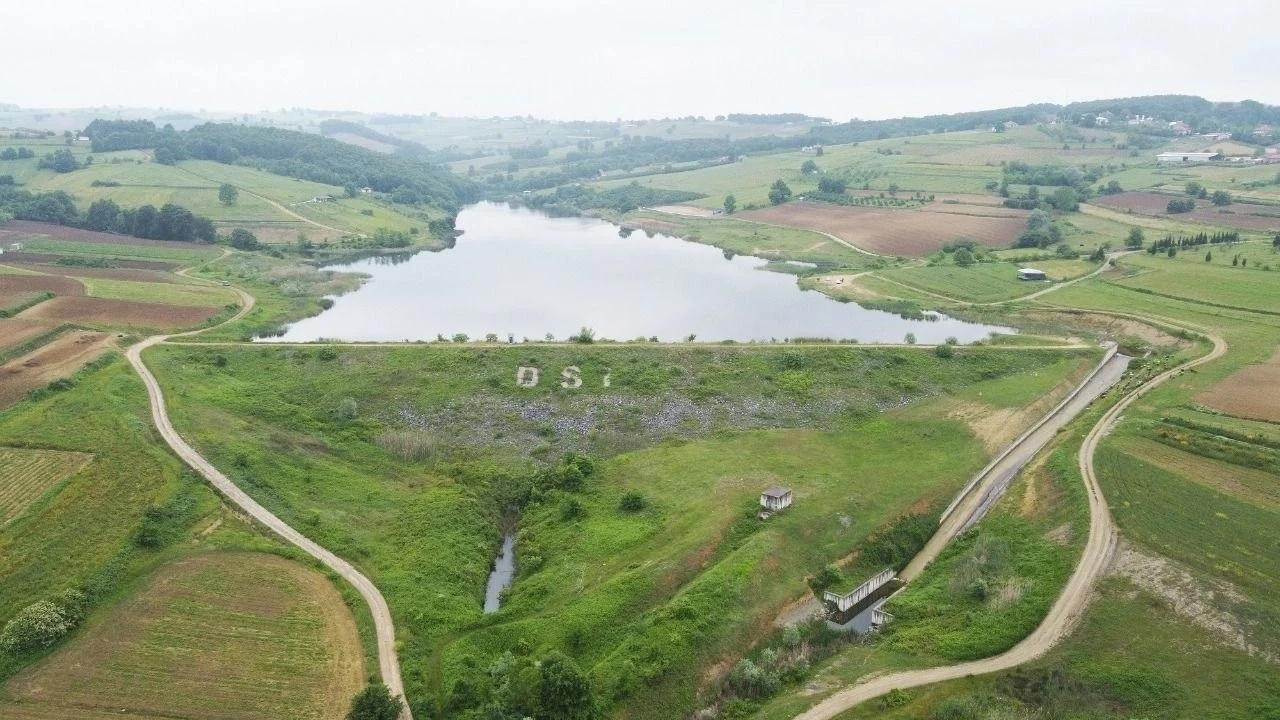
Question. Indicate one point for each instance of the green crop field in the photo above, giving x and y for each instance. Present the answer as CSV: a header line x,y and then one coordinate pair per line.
x,y
188,293
985,282
608,586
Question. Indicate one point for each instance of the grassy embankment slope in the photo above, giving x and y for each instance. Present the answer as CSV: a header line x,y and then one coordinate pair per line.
x,y
407,438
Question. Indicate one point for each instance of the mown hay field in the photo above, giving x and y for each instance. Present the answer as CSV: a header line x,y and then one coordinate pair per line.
x,y
26,475
217,636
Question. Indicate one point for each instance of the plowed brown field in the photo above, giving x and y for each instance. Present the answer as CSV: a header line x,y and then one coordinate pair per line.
x,y
119,313
907,232
1246,216
1251,392
59,359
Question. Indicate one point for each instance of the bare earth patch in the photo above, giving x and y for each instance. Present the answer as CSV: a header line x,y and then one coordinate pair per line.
x,y
41,283
15,331
1202,602
908,232
1251,392
1241,215
58,359
219,636
120,313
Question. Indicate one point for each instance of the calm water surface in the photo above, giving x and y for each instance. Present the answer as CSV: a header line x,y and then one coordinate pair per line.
x,y
519,272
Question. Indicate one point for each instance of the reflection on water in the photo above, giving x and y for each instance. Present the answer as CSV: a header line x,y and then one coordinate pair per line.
x,y
517,272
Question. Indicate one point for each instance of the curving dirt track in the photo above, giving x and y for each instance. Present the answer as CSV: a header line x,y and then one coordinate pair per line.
x,y
384,627
1070,603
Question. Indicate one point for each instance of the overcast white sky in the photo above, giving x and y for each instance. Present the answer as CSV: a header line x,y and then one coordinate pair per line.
x,y
600,59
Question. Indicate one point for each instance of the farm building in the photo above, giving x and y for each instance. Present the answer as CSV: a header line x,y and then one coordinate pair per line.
x,y
775,498
1185,157
1031,274
366,190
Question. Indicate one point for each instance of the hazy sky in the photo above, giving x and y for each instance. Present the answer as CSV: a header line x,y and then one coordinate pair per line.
x,y
601,59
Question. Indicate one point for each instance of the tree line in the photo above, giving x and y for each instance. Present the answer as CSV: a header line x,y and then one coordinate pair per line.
x,y
168,222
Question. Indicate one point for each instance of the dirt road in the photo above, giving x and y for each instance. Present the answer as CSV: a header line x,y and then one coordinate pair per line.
x,y
388,663
1071,602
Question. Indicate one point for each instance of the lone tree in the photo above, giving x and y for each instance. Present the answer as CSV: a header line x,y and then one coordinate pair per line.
x,y
242,239
963,257
1135,239
374,703
779,192
730,204
808,167
1221,198
228,194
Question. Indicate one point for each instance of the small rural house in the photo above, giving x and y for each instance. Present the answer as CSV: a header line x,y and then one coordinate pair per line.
x,y
1185,157
775,498
366,190
1031,274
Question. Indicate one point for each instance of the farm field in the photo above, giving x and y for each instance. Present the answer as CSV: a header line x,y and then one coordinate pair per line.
x,y
1250,392
61,303
985,282
1218,283
57,359
911,233
673,426
214,635
29,474
1245,216
750,238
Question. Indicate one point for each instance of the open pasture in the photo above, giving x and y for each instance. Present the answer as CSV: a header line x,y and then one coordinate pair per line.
x,y
1189,277
26,475
216,636
986,282
912,233
1246,216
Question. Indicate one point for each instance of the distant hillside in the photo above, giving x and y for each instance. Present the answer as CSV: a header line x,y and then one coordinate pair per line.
x,y
405,178
1199,114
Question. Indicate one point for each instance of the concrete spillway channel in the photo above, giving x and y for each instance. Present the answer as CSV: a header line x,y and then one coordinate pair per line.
x,y
986,487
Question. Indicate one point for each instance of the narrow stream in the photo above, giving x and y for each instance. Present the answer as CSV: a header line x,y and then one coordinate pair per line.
x,y
504,572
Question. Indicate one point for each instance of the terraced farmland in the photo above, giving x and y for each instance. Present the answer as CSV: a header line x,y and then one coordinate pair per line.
x,y
26,475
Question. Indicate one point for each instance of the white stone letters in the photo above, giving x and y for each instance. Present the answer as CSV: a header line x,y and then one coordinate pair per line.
x,y
527,377
572,377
